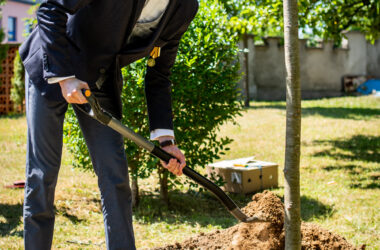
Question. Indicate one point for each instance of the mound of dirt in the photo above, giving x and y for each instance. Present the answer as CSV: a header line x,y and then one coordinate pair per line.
x,y
262,235
314,237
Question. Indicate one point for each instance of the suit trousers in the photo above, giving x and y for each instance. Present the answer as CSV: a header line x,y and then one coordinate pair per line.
x,y
44,148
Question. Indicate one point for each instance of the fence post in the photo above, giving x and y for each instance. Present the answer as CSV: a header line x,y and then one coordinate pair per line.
x,y
251,68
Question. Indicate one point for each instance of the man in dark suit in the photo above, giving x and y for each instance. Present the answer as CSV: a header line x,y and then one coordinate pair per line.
x,y
83,44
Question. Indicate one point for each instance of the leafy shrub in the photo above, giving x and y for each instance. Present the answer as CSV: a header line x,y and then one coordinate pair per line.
x,y
3,47
204,96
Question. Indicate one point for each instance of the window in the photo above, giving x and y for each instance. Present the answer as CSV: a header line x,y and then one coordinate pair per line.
x,y
12,29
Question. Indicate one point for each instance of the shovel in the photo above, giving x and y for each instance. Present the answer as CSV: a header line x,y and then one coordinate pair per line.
x,y
94,110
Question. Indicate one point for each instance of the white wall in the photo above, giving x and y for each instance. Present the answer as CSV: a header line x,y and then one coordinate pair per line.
x,y
373,59
322,68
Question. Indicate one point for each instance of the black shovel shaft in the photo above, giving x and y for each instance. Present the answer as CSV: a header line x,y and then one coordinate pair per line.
x,y
165,156
128,133
195,176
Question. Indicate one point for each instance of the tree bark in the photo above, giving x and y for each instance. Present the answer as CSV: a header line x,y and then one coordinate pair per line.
x,y
163,178
293,128
135,184
246,69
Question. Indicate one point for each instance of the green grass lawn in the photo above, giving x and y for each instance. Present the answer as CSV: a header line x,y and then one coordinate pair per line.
x,y
340,179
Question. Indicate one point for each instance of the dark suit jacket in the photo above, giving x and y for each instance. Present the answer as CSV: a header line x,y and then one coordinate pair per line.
x,y
87,38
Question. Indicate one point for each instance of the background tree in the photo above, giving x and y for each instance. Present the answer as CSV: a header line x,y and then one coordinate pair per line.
x,y
31,22
293,128
3,49
318,18
328,18
260,17
204,96
18,83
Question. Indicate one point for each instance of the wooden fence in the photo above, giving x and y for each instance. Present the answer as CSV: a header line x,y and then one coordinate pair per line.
x,y
6,105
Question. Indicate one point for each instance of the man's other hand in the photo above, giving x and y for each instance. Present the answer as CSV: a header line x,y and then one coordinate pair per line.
x,y
71,90
174,166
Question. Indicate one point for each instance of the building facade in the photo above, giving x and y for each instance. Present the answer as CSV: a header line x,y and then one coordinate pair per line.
x,y
13,14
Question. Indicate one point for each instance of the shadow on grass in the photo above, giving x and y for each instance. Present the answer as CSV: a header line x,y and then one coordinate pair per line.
x,y
93,204
205,209
360,177
191,208
357,148
13,218
312,208
342,113
12,116
330,112
69,215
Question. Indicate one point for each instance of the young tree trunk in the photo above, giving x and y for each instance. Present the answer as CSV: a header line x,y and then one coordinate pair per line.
x,y
164,191
293,128
135,184
246,69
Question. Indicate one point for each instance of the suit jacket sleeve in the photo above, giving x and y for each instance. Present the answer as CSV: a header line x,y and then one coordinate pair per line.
x,y
157,83
56,47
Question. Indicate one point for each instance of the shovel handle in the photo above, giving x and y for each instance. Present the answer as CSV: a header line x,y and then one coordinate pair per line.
x,y
97,112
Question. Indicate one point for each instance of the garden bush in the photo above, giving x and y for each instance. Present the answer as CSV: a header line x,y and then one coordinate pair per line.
x,y
18,83
204,96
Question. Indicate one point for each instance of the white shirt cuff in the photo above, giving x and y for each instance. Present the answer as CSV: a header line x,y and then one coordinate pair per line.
x,y
154,134
58,79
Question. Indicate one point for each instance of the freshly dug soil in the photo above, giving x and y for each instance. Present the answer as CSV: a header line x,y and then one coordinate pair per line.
x,y
262,235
